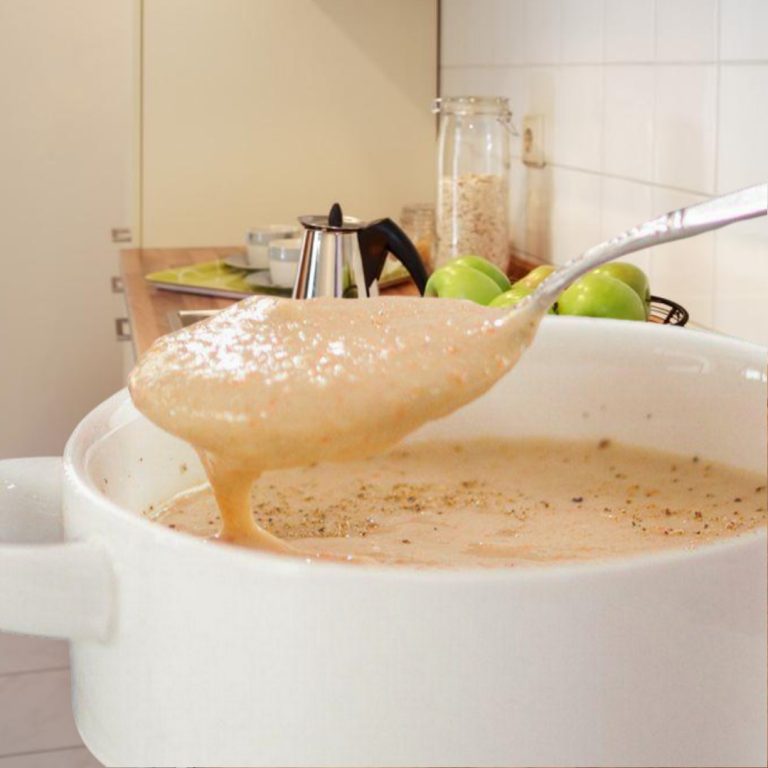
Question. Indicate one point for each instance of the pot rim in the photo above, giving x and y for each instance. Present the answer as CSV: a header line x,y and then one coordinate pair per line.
x,y
98,423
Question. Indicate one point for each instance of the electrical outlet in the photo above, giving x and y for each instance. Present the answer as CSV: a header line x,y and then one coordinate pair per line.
x,y
533,140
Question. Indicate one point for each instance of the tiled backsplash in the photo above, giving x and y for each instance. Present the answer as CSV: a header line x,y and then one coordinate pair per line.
x,y
648,105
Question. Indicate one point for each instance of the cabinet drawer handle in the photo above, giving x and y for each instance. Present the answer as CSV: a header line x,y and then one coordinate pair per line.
x,y
123,329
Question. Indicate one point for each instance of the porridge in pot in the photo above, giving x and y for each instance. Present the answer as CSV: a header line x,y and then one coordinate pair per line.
x,y
493,503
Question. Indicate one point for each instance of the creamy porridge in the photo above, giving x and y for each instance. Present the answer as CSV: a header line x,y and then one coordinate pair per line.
x,y
488,503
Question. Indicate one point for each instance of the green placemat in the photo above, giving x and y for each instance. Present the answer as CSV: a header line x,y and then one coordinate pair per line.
x,y
214,278
209,278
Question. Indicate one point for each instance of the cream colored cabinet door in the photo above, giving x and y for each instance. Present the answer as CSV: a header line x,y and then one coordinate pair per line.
x,y
256,111
66,148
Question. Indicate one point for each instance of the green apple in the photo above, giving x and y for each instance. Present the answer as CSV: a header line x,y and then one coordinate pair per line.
x,y
536,276
597,295
633,276
485,266
514,296
511,297
454,281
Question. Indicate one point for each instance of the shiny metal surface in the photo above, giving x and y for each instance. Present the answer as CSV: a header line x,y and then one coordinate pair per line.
x,y
680,224
343,257
331,265
348,224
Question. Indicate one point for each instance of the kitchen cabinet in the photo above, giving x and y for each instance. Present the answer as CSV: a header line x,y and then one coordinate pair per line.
x,y
66,153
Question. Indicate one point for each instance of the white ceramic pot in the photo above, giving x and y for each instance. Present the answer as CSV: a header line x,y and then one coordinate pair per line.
x,y
187,653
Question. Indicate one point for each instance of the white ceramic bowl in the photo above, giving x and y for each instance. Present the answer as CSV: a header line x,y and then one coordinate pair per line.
x,y
284,261
188,653
257,240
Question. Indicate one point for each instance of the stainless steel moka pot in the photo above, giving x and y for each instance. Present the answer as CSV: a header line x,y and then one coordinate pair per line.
x,y
343,257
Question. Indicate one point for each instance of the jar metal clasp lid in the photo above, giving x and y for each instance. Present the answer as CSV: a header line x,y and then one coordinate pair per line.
x,y
497,106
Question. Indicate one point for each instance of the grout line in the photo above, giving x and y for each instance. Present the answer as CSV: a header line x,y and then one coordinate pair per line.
x,y
654,128
713,292
52,750
597,63
17,673
523,22
717,99
140,139
439,79
619,177
604,111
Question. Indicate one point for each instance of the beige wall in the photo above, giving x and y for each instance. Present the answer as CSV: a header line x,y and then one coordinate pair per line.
x,y
255,111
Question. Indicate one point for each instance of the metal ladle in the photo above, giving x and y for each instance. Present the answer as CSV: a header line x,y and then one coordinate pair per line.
x,y
682,223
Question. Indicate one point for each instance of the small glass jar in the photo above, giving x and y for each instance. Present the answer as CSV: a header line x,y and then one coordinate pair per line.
x,y
473,178
418,222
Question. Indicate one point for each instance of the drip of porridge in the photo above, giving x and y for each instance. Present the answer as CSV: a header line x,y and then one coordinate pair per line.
x,y
493,503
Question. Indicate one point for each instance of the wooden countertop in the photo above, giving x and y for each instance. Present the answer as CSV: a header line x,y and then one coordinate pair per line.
x,y
149,307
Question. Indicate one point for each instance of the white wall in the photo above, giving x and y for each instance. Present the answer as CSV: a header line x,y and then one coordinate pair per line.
x,y
256,112
65,158
649,105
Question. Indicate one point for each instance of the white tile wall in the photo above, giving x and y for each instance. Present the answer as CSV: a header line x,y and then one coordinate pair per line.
x,y
575,223
628,121
581,41
741,274
629,27
743,30
684,127
647,104
539,98
465,33
686,30
508,31
541,36
742,149
578,124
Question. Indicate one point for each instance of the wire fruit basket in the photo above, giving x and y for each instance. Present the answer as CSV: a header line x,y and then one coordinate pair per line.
x,y
667,312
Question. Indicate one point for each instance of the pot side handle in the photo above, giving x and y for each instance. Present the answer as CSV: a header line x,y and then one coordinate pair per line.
x,y
47,586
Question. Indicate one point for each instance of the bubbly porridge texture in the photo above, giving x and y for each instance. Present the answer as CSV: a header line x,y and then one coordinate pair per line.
x,y
275,383
493,502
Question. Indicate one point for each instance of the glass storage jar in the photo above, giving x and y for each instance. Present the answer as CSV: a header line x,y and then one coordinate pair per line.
x,y
418,222
473,178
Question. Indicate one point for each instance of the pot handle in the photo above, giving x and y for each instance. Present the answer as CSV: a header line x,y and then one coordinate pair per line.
x,y
47,586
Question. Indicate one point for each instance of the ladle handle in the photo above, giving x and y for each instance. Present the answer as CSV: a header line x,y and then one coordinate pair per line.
x,y
382,237
712,214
